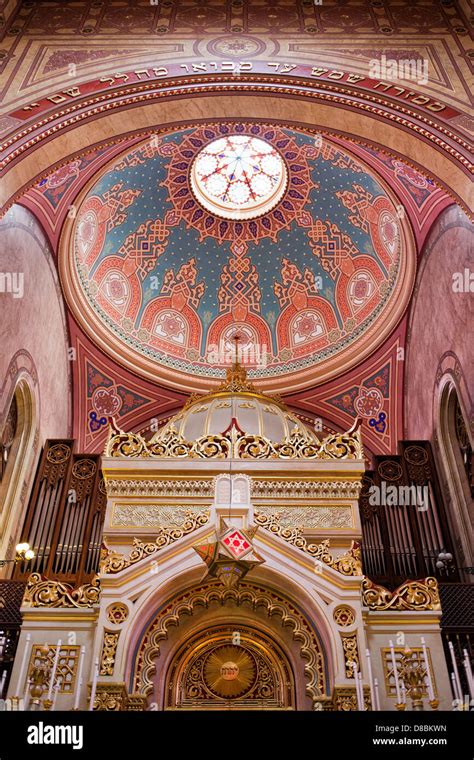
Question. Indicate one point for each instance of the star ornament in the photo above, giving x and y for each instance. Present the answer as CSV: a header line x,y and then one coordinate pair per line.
x,y
230,555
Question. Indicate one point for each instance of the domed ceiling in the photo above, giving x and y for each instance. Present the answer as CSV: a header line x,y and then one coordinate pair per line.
x,y
265,231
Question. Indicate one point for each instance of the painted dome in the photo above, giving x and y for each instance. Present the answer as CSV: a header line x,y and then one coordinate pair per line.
x,y
259,229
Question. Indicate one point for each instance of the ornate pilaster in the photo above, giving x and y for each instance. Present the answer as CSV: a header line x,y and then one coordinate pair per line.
x,y
110,697
344,699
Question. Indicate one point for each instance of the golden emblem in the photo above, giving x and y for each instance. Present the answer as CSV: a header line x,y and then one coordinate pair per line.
x,y
229,671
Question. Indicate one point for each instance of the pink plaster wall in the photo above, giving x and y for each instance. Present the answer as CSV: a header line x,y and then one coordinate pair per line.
x,y
36,322
441,320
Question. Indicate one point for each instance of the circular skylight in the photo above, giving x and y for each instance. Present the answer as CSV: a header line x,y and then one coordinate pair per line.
x,y
238,177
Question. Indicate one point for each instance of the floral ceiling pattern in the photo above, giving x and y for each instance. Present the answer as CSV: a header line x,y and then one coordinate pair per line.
x,y
312,284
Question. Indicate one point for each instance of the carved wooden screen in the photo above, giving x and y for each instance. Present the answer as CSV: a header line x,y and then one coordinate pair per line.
x,y
457,627
11,595
65,515
403,517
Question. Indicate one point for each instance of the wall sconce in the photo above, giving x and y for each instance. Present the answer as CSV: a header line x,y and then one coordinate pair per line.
x,y
23,553
444,560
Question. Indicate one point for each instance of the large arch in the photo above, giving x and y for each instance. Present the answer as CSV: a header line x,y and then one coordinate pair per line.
x,y
296,620
407,134
238,603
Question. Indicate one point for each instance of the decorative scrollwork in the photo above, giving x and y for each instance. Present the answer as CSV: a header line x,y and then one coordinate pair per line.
x,y
234,443
255,447
347,564
114,562
120,444
296,446
351,653
41,592
109,650
342,446
299,446
170,444
411,595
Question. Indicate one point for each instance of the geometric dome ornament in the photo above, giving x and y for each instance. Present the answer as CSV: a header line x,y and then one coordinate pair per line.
x,y
230,556
238,177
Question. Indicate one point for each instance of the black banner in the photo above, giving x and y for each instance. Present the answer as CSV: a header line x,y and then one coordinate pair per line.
x,y
304,734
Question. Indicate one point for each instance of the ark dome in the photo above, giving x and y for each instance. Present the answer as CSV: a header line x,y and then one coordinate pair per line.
x,y
236,403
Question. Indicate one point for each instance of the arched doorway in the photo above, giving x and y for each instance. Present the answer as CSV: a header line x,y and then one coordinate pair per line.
x,y
456,455
230,667
209,634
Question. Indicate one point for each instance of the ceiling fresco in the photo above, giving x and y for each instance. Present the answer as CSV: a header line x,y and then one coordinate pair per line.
x,y
313,275
52,60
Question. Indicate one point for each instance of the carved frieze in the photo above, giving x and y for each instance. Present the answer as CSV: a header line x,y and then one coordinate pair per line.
x,y
114,562
160,488
310,517
153,515
345,699
110,697
305,489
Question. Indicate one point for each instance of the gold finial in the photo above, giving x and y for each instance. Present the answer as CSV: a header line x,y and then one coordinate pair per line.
x,y
236,381
236,339
236,375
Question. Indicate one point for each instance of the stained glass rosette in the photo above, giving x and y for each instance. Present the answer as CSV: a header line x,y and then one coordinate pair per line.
x,y
238,177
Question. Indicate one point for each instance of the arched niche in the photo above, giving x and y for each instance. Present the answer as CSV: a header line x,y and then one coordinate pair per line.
x,y
231,666
151,645
455,450
18,451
